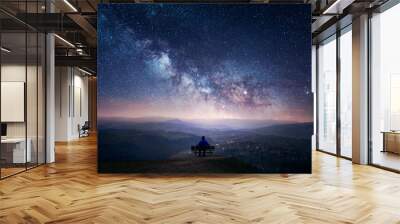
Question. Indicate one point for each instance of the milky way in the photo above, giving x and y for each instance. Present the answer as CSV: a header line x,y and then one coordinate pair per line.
x,y
205,61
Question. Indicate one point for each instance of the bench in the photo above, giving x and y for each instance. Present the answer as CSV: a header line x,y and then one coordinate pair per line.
x,y
203,151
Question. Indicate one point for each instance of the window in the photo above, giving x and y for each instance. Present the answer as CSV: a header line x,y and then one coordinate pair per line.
x,y
346,93
327,95
385,88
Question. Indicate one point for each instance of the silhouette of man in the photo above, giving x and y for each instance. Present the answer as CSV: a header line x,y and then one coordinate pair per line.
x,y
203,144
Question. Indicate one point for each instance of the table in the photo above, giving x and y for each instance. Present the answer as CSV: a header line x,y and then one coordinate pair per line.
x,y
391,141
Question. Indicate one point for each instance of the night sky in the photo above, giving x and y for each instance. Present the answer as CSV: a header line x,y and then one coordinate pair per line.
x,y
205,61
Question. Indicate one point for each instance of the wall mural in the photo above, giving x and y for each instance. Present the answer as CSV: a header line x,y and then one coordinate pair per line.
x,y
204,88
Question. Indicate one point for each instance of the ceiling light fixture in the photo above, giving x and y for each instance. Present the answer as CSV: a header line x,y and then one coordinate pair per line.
x,y
337,7
70,5
80,51
327,11
5,50
64,40
84,71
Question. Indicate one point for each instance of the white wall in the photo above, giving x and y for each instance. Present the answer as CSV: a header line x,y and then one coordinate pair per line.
x,y
9,73
71,102
80,109
62,82
16,73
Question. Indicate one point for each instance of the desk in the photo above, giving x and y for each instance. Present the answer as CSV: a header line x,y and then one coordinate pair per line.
x,y
15,148
391,141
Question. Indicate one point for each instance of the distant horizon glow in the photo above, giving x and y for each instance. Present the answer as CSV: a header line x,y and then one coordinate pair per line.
x,y
125,110
128,110
162,60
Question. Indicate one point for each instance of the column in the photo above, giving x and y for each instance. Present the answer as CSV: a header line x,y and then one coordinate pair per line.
x,y
360,90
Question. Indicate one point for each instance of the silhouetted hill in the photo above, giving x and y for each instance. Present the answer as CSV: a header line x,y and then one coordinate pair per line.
x,y
130,145
301,130
198,127
275,148
236,124
217,124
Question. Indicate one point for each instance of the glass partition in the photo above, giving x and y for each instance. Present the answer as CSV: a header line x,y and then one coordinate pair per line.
x,y
14,154
22,88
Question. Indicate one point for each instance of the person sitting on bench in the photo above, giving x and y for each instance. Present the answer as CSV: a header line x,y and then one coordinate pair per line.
x,y
203,145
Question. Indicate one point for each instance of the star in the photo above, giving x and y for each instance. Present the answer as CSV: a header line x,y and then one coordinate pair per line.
x,y
201,60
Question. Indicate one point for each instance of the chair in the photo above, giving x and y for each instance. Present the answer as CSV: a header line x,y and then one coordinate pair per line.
x,y
84,130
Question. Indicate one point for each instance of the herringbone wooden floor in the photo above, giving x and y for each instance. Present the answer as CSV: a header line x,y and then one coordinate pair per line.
x,y
71,191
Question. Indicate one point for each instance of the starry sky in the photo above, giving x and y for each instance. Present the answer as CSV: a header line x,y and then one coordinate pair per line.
x,y
205,61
